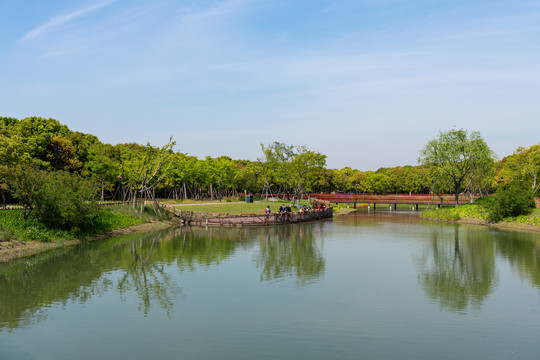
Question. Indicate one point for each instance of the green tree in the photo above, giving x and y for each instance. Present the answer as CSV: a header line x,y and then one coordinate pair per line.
x,y
62,154
101,166
304,169
145,167
23,182
523,164
512,199
459,157
376,182
274,166
72,208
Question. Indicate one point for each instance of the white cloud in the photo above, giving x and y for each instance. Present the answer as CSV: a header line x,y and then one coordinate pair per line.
x,y
59,20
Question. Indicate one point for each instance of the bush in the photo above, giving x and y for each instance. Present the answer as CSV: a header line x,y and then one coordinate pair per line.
x,y
511,200
66,201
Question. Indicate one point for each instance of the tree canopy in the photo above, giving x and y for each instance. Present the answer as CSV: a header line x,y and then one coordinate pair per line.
x,y
455,161
459,157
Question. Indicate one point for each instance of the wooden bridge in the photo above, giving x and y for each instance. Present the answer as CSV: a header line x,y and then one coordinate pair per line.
x,y
392,200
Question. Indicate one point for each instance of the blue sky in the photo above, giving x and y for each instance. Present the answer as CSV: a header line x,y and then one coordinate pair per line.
x,y
366,82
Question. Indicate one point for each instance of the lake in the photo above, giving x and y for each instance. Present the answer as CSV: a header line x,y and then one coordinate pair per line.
x,y
373,285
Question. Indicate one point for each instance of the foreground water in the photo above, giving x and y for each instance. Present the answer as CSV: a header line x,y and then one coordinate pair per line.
x,y
375,286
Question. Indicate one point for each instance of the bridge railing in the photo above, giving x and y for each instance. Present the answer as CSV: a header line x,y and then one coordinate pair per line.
x,y
390,199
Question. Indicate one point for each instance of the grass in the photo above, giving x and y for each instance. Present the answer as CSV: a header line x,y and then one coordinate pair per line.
x,y
532,219
12,225
206,201
478,210
445,214
238,207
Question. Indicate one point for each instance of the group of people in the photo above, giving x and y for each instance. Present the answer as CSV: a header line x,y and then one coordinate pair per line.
x,y
304,208
282,209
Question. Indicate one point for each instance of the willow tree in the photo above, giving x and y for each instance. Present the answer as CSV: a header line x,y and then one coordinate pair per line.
x,y
460,158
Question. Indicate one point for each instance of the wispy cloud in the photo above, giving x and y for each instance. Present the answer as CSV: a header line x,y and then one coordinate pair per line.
x,y
59,20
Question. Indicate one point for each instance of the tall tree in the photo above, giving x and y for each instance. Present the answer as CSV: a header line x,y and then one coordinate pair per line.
x,y
23,181
146,168
459,157
274,165
304,170
524,164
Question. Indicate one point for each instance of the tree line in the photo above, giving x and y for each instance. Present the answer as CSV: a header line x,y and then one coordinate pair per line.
x,y
40,157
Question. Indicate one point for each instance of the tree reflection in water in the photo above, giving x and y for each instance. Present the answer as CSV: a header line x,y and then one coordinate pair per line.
x,y
290,250
522,250
148,279
458,273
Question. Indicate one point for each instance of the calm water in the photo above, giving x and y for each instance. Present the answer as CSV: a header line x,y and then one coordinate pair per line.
x,y
358,287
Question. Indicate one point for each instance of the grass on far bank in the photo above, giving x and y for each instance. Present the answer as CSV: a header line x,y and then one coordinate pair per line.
x,y
238,207
478,210
206,201
12,225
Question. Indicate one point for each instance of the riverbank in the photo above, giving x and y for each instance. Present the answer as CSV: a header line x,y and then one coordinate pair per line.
x,y
522,223
15,249
500,225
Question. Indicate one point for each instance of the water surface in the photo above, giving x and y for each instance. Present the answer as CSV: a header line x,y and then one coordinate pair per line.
x,y
373,286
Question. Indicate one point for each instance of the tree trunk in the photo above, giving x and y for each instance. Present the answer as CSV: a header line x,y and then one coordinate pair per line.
x,y
134,200
102,191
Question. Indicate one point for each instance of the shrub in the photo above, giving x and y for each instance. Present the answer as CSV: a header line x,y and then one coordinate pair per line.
x,y
511,200
66,201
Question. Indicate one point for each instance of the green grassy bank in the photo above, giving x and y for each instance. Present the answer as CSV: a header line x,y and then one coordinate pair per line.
x,y
480,212
12,225
19,238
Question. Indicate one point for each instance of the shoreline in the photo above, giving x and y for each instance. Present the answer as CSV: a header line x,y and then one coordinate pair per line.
x,y
500,225
16,249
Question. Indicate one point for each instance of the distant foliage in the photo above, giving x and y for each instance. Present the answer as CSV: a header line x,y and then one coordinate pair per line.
x,y
524,165
511,200
456,161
